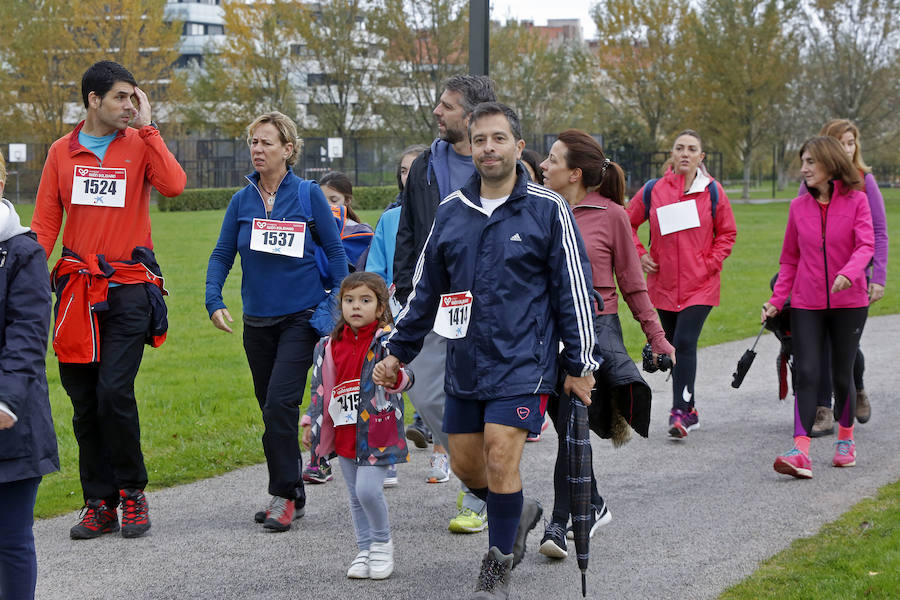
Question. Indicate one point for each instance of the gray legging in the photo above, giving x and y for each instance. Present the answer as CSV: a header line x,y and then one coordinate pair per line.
x,y
427,396
368,508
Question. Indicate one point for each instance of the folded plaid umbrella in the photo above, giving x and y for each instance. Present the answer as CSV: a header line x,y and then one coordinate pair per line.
x,y
578,447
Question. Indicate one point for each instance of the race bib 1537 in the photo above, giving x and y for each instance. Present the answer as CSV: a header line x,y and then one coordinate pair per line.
x,y
286,238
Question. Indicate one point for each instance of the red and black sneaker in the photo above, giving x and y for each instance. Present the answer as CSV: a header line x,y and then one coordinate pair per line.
x,y
281,513
96,519
135,513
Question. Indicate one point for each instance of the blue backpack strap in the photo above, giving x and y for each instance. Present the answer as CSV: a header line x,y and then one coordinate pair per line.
x,y
306,208
648,190
713,199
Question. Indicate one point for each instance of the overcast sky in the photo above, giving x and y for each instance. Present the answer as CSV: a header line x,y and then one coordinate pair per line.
x,y
540,10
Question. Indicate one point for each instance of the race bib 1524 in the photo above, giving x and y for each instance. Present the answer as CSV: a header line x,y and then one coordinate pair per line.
x,y
99,186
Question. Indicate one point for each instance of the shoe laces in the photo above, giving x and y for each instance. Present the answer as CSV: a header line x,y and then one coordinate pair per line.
x,y
492,573
277,505
555,530
844,447
465,511
441,461
90,513
134,507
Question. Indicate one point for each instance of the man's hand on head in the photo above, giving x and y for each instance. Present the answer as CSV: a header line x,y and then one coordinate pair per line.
x,y
142,112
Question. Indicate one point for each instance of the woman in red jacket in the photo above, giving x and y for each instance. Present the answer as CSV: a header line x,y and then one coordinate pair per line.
x,y
828,244
595,188
692,231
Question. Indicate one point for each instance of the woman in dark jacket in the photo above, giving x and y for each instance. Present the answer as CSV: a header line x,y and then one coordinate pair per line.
x,y
595,187
27,440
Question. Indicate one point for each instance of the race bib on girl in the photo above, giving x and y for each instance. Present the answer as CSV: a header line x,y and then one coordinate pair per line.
x,y
98,186
285,238
344,403
452,320
677,217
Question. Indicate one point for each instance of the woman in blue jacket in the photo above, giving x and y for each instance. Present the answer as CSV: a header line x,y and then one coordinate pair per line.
x,y
27,440
277,223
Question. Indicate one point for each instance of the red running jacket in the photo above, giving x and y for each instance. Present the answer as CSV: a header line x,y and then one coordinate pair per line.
x,y
76,334
690,260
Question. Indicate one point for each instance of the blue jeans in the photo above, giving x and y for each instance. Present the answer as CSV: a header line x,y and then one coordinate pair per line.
x,y
18,561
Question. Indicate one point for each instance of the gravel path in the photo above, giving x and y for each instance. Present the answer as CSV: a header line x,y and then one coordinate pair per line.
x,y
690,517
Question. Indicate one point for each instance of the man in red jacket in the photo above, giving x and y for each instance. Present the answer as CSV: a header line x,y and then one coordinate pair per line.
x,y
99,176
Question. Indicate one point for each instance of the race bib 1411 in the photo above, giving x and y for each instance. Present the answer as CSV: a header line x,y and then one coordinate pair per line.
x,y
454,312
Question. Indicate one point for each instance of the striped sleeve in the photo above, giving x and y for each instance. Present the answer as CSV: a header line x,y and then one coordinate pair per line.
x,y
570,274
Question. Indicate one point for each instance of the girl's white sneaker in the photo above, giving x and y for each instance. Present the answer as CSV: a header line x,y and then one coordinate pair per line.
x,y
381,559
359,568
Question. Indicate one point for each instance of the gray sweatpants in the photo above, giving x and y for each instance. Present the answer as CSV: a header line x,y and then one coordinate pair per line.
x,y
427,396
368,508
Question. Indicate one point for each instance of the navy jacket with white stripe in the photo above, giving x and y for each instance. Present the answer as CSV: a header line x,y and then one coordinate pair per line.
x,y
530,278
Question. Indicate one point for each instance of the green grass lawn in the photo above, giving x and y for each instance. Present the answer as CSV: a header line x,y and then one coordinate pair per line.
x,y
857,556
199,417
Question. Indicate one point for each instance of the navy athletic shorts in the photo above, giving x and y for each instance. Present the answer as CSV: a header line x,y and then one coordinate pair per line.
x,y
469,416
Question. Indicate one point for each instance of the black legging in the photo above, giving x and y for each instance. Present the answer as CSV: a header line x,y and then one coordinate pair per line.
x,y
859,369
559,414
814,333
683,330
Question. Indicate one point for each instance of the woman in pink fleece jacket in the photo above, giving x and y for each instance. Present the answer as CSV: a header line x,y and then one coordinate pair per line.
x,y
828,243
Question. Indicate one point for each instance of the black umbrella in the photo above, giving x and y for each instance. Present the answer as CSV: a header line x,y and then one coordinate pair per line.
x,y
578,447
744,363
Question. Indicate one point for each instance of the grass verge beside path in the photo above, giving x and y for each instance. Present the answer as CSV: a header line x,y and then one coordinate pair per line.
x,y
857,556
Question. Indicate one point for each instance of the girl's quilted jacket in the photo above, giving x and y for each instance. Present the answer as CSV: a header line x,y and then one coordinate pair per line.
x,y
380,430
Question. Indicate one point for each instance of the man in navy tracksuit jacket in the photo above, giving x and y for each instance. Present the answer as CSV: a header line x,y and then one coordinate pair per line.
x,y
513,246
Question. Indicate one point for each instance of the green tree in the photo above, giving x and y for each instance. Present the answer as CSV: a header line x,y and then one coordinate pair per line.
x,y
535,77
427,43
46,45
342,54
852,56
742,59
641,56
248,74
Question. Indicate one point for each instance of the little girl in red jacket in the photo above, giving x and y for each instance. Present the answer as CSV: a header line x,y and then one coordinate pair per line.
x,y
360,422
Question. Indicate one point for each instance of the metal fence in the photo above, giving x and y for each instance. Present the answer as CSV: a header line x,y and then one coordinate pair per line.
x,y
215,163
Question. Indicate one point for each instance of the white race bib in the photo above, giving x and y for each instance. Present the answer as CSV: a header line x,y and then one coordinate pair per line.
x,y
677,217
98,186
344,403
285,238
452,320
393,303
